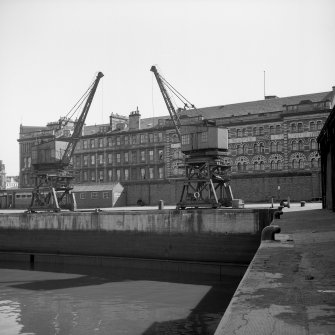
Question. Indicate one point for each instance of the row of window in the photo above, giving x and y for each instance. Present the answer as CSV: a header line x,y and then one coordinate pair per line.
x,y
299,127
142,156
274,147
94,195
278,165
121,174
258,131
113,141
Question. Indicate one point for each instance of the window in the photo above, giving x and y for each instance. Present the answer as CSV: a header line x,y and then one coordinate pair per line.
x,y
238,133
160,154
256,166
301,164
142,156
134,139
110,158
313,144
110,175
101,176
293,127
273,165
240,149
160,173
185,139
319,125
134,156
78,161
92,159
279,147
294,146
142,173
300,127
261,147
301,145
151,138
151,155
82,196
244,132
94,195
118,174
85,177
109,141
261,131
273,147
239,167
143,138
295,164
101,159
92,175
118,140
151,173
126,174
256,148
126,157
105,195
85,144
126,140
101,142
272,130
280,165
277,129
204,137
312,126
261,165
118,158
254,131
160,137
92,144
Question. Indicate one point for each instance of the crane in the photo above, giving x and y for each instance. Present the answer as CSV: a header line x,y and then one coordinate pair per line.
x,y
205,145
51,161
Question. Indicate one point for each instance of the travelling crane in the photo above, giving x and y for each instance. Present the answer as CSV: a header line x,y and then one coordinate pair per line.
x,y
51,160
206,147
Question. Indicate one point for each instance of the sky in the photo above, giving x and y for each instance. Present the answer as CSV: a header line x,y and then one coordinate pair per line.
x,y
214,52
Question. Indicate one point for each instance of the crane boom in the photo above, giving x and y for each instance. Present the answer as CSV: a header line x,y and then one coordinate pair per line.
x,y
173,114
80,123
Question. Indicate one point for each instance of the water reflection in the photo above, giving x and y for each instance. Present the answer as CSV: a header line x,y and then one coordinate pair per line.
x,y
87,300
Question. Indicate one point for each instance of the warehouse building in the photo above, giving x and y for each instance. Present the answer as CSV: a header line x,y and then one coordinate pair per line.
x,y
272,142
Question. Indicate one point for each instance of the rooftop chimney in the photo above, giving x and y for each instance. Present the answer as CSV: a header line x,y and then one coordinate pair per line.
x,y
134,120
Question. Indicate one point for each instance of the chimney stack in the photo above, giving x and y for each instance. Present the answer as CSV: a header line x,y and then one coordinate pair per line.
x,y
134,120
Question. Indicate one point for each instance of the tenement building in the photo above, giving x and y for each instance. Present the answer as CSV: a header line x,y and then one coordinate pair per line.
x,y
273,150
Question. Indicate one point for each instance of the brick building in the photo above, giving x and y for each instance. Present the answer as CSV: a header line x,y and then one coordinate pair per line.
x,y
272,144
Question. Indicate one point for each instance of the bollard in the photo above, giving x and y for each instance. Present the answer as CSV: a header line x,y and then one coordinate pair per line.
x,y
277,214
302,203
161,204
288,202
268,233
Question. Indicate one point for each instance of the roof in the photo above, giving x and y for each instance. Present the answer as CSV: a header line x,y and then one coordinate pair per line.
x,y
95,187
31,129
260,106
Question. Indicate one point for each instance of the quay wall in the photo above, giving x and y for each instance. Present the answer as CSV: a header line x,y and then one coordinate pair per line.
x,y
227,235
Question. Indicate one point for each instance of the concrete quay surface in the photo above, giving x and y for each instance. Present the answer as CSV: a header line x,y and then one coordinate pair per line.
x,y
289,287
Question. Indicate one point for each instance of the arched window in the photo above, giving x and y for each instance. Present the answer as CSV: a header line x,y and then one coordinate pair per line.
x,y
294,146
261,165
261,147
293,127
300,127
301,164
319,125
312,126
256,148
273,165
244,166
301,145
239,166
273,147
313,144
295,164
238,133
280,165
261,131
272,130
245,149
314,163
256,166
279,147
277,129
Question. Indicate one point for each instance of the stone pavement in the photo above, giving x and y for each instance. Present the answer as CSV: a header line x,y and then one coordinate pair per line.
x,y
289,287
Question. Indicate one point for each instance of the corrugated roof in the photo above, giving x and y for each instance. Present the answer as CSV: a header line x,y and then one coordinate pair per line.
x,y
255,107
95,187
